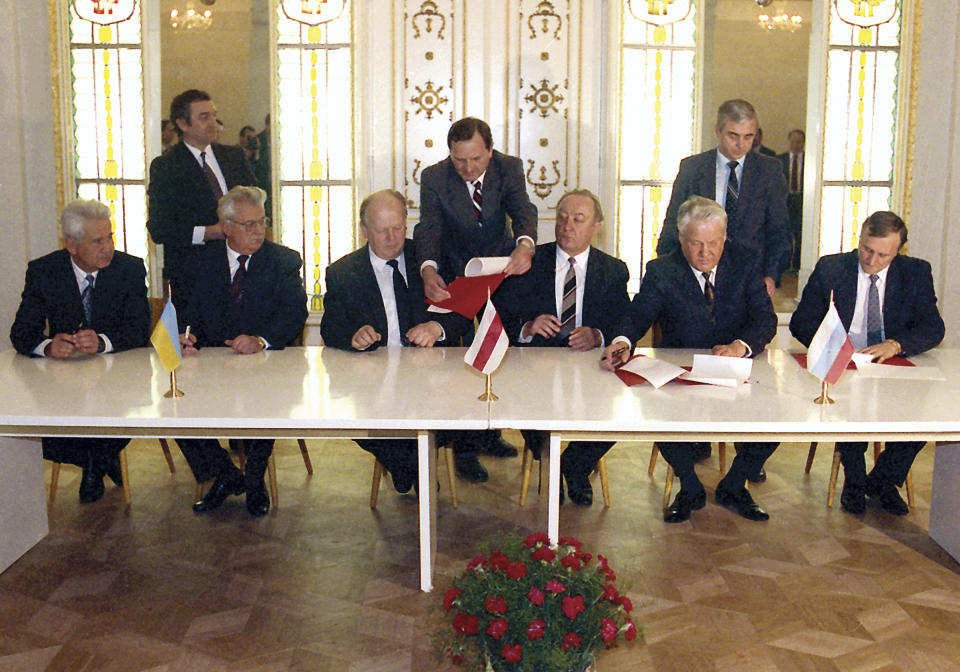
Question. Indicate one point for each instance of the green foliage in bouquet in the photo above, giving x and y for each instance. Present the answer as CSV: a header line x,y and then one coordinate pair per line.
x,y
527,606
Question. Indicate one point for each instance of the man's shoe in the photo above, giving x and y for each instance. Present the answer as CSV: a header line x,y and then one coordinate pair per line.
x,y
682,505
497,447
579,489
889,498
470,469
91,482
258,501
701,452
227,483
403,480
758,477
111,467
853,500
741,503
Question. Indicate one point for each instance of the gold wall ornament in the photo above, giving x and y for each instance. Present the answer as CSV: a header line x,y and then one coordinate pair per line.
x,y
546,15
104,12
866,13
312,12
660,12
545,98
428,13
541,186
428,100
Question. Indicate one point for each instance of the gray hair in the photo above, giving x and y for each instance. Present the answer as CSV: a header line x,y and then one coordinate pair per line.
x,y
74,218
736,110
226,209
597,208
700,209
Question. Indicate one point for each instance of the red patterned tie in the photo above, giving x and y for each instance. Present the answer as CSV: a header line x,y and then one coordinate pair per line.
x,y
478,199
236,288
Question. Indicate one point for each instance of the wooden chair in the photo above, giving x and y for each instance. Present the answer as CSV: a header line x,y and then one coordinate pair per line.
x,y
527,465
668,485
835,471
446,451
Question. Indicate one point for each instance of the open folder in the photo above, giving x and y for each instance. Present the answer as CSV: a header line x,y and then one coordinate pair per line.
x,y
706,370
469,292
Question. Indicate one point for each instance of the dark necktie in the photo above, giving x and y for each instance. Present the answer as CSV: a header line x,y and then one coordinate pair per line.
x,y
86,298
478,199
874,316
211,178
707,288
568,305
402,300
236,287
794,176
733,194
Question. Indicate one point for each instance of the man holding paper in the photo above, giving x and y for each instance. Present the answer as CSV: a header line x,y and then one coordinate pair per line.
x,y
375,298
246,294
888,306
574,297
712,295
84,300
465,201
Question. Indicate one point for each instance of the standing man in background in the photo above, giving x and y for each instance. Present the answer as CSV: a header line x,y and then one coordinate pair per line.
x,y
792,164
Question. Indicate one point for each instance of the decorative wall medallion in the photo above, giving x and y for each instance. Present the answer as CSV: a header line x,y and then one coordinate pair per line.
x,y
428,100
541,186
427,15
545,16
545,98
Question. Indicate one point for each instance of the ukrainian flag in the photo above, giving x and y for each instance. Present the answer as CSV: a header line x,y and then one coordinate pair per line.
x,y
166,339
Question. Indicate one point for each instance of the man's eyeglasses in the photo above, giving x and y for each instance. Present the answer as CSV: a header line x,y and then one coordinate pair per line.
x,y
253,224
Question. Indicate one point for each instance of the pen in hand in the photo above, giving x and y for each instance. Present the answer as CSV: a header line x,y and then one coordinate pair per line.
x,y
616,356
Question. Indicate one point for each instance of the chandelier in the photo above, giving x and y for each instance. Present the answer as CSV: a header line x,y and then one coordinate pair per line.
x,y
191,18
777,18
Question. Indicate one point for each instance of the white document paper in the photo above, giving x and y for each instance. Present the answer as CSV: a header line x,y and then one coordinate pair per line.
x,y
722,371
485,266
658,373
861,358
892,372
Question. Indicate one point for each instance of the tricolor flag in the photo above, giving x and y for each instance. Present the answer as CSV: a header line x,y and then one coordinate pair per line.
x,y
489,343
830,350
166,339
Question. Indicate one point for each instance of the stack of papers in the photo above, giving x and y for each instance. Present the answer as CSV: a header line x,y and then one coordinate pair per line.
x,y
707,370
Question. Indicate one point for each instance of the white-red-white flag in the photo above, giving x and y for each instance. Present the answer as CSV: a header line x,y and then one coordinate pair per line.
x,y
489,343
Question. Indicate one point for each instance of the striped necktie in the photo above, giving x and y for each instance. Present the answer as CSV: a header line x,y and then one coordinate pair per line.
x,y
733,195
478,199
568,305
86,298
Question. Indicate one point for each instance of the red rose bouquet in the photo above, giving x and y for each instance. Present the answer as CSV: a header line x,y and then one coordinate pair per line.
x,y
527,606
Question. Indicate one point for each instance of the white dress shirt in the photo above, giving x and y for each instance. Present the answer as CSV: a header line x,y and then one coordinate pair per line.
x,y
211,159
560,274
723,176
384,274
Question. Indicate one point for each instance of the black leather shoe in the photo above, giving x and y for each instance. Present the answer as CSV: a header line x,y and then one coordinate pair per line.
x,y
889,498
682,505
403,480
227,483
470,469
91,482
741,503
758,477
111,467
579,490
497,447
853,500
258,501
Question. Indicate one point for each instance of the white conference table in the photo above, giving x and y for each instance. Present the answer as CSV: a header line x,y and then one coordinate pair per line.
x,y
293,393
567,393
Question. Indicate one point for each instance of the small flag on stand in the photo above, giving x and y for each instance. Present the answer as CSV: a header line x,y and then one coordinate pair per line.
x,y
830,350
166,339
489,343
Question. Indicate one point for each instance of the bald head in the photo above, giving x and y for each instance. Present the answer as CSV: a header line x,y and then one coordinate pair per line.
x,y
383,220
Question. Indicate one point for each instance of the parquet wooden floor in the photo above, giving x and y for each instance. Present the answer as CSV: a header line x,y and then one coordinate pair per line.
x,y
325,583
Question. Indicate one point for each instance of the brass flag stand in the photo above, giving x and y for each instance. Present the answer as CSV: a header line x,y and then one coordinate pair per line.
x,y
824,398
488,394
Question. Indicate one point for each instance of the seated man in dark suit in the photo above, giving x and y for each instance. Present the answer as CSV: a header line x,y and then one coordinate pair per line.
x,y
574,296
95,302
887,304
709,294
375,298
246,293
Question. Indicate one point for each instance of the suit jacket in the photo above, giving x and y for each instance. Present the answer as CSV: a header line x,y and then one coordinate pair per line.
x,y
522,298
761,208
353,300
50,296
274,303
180,199
910,314
784,160
671,295
448,232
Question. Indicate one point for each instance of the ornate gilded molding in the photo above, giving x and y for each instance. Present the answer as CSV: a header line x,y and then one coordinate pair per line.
x,y
429,99
544,98
57,12
428,13
546,15
541,185
911,139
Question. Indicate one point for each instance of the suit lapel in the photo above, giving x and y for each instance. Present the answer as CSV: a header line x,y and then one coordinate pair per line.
x,y
592,291
892,299
458,195
66,278
707,176
370,290
845,298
